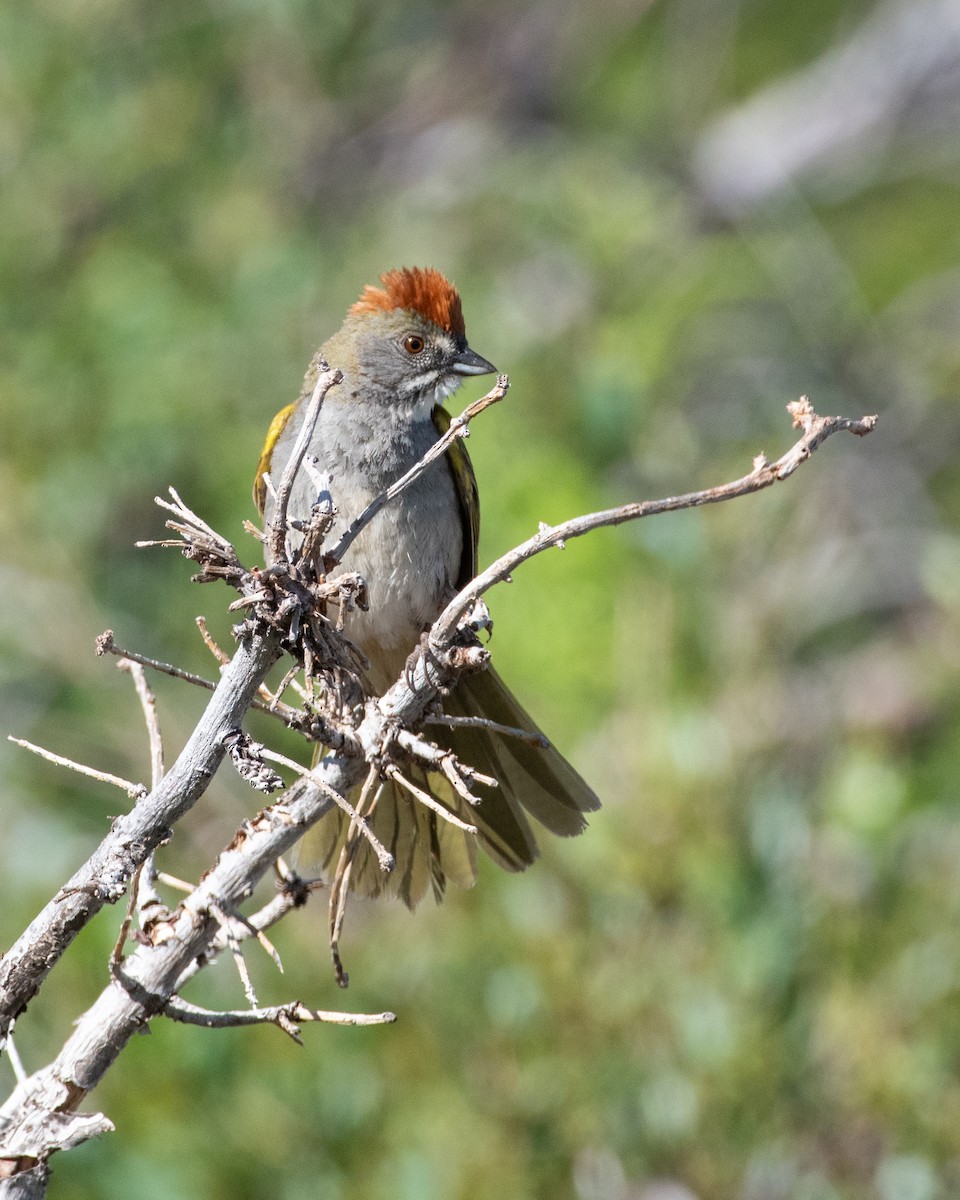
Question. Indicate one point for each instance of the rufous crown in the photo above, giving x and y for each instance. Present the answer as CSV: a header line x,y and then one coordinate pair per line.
x,y
423,290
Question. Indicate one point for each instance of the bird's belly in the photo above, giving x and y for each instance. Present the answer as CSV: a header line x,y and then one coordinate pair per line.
x,y
409,557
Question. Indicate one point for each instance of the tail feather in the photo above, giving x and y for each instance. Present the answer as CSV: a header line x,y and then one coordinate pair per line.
x,y
428,850
540,778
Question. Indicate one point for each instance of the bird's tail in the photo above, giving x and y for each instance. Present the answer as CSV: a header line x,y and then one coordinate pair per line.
x,y
534,781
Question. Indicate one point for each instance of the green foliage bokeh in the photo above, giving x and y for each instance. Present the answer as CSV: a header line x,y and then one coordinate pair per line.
x,y
742,981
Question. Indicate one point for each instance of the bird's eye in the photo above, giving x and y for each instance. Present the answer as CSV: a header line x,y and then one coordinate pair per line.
x,y
413,343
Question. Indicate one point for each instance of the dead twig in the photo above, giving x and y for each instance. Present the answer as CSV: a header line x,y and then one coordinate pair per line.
x,y
106,645
458,773
143,893
277,533
16,1062
816,430
322,514
220,655
428,801
384,857
314,725
286,1016
136,791
339,887
523,735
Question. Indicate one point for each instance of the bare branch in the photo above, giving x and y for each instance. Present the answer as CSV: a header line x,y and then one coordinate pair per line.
x,y
458,773
815,431
181,509
289,680
293,894
136,791
106,645
277,533
192,1014
366,804
104,877
143,893
233,944
38,1117
15,1060
523,735
220,655
171,881
148,703
265,943
428,801
384,857
293,718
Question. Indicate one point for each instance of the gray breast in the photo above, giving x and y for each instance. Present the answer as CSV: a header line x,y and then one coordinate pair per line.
x,y
410,553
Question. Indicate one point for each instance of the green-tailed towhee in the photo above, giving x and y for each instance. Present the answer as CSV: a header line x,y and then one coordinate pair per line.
x,y
402,350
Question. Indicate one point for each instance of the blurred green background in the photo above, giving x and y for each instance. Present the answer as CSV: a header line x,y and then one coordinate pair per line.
x,y
667,220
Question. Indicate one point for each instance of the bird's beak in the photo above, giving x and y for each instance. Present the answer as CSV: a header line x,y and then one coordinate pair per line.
x,y
468,362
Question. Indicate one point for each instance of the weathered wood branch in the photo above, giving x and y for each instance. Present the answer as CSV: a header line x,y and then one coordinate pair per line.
x,y
286,606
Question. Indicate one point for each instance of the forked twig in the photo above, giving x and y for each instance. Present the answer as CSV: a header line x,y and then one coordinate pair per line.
x,y
225,921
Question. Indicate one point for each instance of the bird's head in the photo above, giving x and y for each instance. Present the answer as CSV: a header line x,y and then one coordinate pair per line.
x,y
408,339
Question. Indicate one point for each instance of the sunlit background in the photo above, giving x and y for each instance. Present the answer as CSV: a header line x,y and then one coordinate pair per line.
x,y
667,220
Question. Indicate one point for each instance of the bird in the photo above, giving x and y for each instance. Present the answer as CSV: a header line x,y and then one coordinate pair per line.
x,y
402,351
